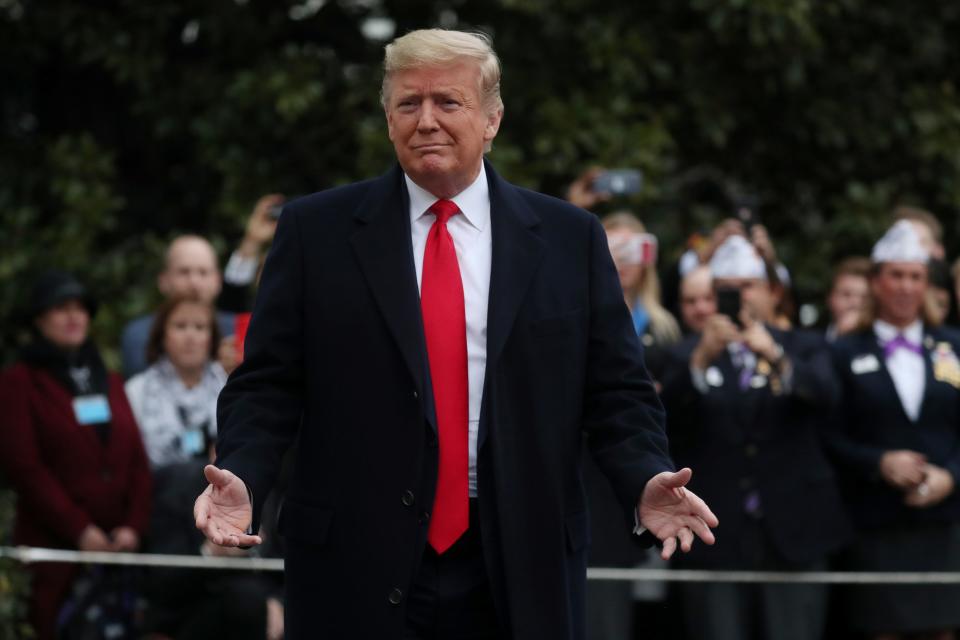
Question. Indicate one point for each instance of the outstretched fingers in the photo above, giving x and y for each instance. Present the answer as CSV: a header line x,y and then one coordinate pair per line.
x,y
700,509
669,546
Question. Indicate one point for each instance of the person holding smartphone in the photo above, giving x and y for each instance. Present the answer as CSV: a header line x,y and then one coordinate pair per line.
x,y
745,400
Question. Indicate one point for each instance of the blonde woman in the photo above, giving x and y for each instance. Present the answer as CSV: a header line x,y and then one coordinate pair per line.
x,y
634,253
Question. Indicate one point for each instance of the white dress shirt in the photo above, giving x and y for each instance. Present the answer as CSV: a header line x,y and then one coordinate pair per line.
x,y
906,367
473,242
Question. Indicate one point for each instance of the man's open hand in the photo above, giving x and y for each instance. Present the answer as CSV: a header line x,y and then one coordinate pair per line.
x,y
223,511
670,511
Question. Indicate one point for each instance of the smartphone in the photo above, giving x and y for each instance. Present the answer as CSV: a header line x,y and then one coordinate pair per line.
x,y
728,303
619,182
275,211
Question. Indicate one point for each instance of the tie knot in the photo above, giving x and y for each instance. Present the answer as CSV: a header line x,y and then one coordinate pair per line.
x,y
444,210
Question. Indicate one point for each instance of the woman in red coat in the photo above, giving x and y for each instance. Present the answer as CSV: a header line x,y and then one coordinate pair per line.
x,y
71,448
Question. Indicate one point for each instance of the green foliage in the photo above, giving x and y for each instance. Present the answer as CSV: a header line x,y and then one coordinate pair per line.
x,y
123,123
14,585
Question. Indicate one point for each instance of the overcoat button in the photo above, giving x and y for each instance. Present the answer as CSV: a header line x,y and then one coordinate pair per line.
x,y
396,596
408,498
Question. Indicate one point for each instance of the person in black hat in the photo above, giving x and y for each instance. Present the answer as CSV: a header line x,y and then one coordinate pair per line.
x,y
71,448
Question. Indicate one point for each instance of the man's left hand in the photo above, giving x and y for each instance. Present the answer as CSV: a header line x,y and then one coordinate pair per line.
x,y
672,512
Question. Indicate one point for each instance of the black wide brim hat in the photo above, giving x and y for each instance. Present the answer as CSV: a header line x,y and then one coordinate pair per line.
x,y
56,287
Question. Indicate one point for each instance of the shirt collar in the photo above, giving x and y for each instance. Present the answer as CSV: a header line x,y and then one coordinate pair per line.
x,y
886,331
474,201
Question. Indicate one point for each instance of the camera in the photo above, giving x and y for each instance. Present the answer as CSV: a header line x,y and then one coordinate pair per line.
x,y
619,182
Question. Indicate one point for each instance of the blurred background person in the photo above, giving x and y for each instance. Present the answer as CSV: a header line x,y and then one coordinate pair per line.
x,y
191,269
175,402
698,301
744,401
896,437
848,296
175,399
71,448
634,253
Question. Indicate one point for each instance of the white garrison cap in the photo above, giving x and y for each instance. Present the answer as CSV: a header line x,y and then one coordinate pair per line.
x,y
737,258
901,243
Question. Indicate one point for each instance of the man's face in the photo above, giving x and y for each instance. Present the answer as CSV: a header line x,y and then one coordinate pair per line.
x,y
439,126
899,289
191,271
697,299
848,295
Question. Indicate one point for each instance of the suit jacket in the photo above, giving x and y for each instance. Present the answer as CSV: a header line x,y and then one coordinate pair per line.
x,y
335,350
871,420
761,440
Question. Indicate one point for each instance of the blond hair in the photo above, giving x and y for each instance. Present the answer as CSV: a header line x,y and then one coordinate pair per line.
x,y
663,326
444,48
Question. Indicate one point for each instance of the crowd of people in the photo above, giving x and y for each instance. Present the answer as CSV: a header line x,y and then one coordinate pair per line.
x,y
111,463
829,448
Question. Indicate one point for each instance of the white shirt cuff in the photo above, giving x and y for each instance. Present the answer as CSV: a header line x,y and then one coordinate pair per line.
x,y
638,529
240,271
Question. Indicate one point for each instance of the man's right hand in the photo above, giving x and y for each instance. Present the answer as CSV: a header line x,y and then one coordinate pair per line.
x,y
903,469
718,332
223,511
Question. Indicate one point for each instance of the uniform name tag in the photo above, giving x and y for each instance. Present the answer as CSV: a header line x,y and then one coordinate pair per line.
x,y
191,442
93,409
713,377
865,364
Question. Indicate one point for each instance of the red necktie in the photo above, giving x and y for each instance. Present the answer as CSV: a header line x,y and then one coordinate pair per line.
x,y
445,328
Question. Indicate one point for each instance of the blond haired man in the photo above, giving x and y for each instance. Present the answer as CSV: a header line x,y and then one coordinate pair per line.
x,y
439,340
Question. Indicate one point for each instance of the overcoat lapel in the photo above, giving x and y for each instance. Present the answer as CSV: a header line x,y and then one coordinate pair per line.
x,y
516,253
383,248
927,344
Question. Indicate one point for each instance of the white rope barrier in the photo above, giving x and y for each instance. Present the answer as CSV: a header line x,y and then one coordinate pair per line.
x,y
29,555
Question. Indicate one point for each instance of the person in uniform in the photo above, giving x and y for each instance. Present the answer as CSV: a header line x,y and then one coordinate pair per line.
x,y
744,402
896,435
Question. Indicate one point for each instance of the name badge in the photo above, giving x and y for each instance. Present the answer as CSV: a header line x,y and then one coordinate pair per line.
x,y
93,409
865,364
191,442
714,377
